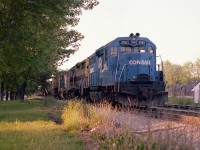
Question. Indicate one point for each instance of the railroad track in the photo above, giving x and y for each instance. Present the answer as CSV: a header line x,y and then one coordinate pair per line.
x,y
167,109
183,107
182,113
178,110
175,111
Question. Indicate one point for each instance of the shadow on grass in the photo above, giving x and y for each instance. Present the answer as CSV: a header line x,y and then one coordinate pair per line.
x,y
27,125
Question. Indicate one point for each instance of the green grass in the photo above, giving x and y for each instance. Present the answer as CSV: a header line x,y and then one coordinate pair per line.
x,y
27,126
15,110
181,101
36,135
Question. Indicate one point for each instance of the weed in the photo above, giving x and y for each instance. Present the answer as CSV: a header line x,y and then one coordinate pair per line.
x,y
131,142
78,115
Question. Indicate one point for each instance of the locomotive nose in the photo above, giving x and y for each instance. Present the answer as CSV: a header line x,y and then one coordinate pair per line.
x,y
139,67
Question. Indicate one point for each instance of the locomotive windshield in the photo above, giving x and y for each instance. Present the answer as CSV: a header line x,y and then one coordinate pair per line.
x,y
125,49
150,49
139,49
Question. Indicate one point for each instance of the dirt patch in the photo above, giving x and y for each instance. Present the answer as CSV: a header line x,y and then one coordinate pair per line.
x,y
54,116
89,142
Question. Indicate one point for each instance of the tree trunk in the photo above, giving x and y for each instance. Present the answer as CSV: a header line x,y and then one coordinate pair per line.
x,y
22,91
7,94
18,91
11,94
2,90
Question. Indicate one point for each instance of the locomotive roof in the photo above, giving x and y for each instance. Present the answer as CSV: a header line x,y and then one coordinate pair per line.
x,y
116,41
130,38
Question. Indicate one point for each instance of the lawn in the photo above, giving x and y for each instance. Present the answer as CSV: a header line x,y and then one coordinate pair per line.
x,y
181,101
27,125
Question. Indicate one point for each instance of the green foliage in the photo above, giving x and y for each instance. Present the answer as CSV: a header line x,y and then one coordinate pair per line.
x,y
181,74
172,73
78,115
186,74
36,36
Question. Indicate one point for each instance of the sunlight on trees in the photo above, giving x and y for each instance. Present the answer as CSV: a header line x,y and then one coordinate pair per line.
x,y
35,36
177,74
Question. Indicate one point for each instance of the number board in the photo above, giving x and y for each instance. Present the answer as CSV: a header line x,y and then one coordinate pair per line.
x,y
125,42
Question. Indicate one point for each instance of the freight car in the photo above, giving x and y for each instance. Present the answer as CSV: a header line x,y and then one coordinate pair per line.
x,y
123,72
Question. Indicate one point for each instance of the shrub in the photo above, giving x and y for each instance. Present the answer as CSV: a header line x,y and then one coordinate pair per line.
x,y
78,115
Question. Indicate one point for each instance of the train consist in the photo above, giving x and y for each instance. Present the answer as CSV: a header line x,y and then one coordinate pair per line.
x,y
123,72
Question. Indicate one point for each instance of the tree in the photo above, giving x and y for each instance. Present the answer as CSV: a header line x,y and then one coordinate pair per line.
x,y
172,73
187,72
36,35
181,74
196,69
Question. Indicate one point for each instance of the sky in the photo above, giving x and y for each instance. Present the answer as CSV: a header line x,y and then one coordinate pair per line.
x,y
173,25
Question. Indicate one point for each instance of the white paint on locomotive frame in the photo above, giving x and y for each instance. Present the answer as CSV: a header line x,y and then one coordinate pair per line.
x,y
92,70
105,66
100,63
140,62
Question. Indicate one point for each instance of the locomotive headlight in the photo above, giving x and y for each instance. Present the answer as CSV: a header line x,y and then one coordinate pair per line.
x,y
134,41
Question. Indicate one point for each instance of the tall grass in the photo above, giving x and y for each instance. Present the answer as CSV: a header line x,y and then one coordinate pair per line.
x,y
78,115
116,134
126,130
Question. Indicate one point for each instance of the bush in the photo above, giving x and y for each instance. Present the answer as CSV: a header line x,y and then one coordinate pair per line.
x,y
78,115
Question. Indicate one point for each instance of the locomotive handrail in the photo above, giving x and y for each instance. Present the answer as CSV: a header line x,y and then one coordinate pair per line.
x,y
121,75
160,62
117,67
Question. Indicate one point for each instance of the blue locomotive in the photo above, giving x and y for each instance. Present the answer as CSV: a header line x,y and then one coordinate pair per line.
x,y
123,72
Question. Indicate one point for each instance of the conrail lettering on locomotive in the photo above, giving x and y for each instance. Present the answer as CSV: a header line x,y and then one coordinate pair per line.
x,y
139,62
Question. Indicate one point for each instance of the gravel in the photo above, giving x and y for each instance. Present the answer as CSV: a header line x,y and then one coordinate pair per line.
x,y
140,124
